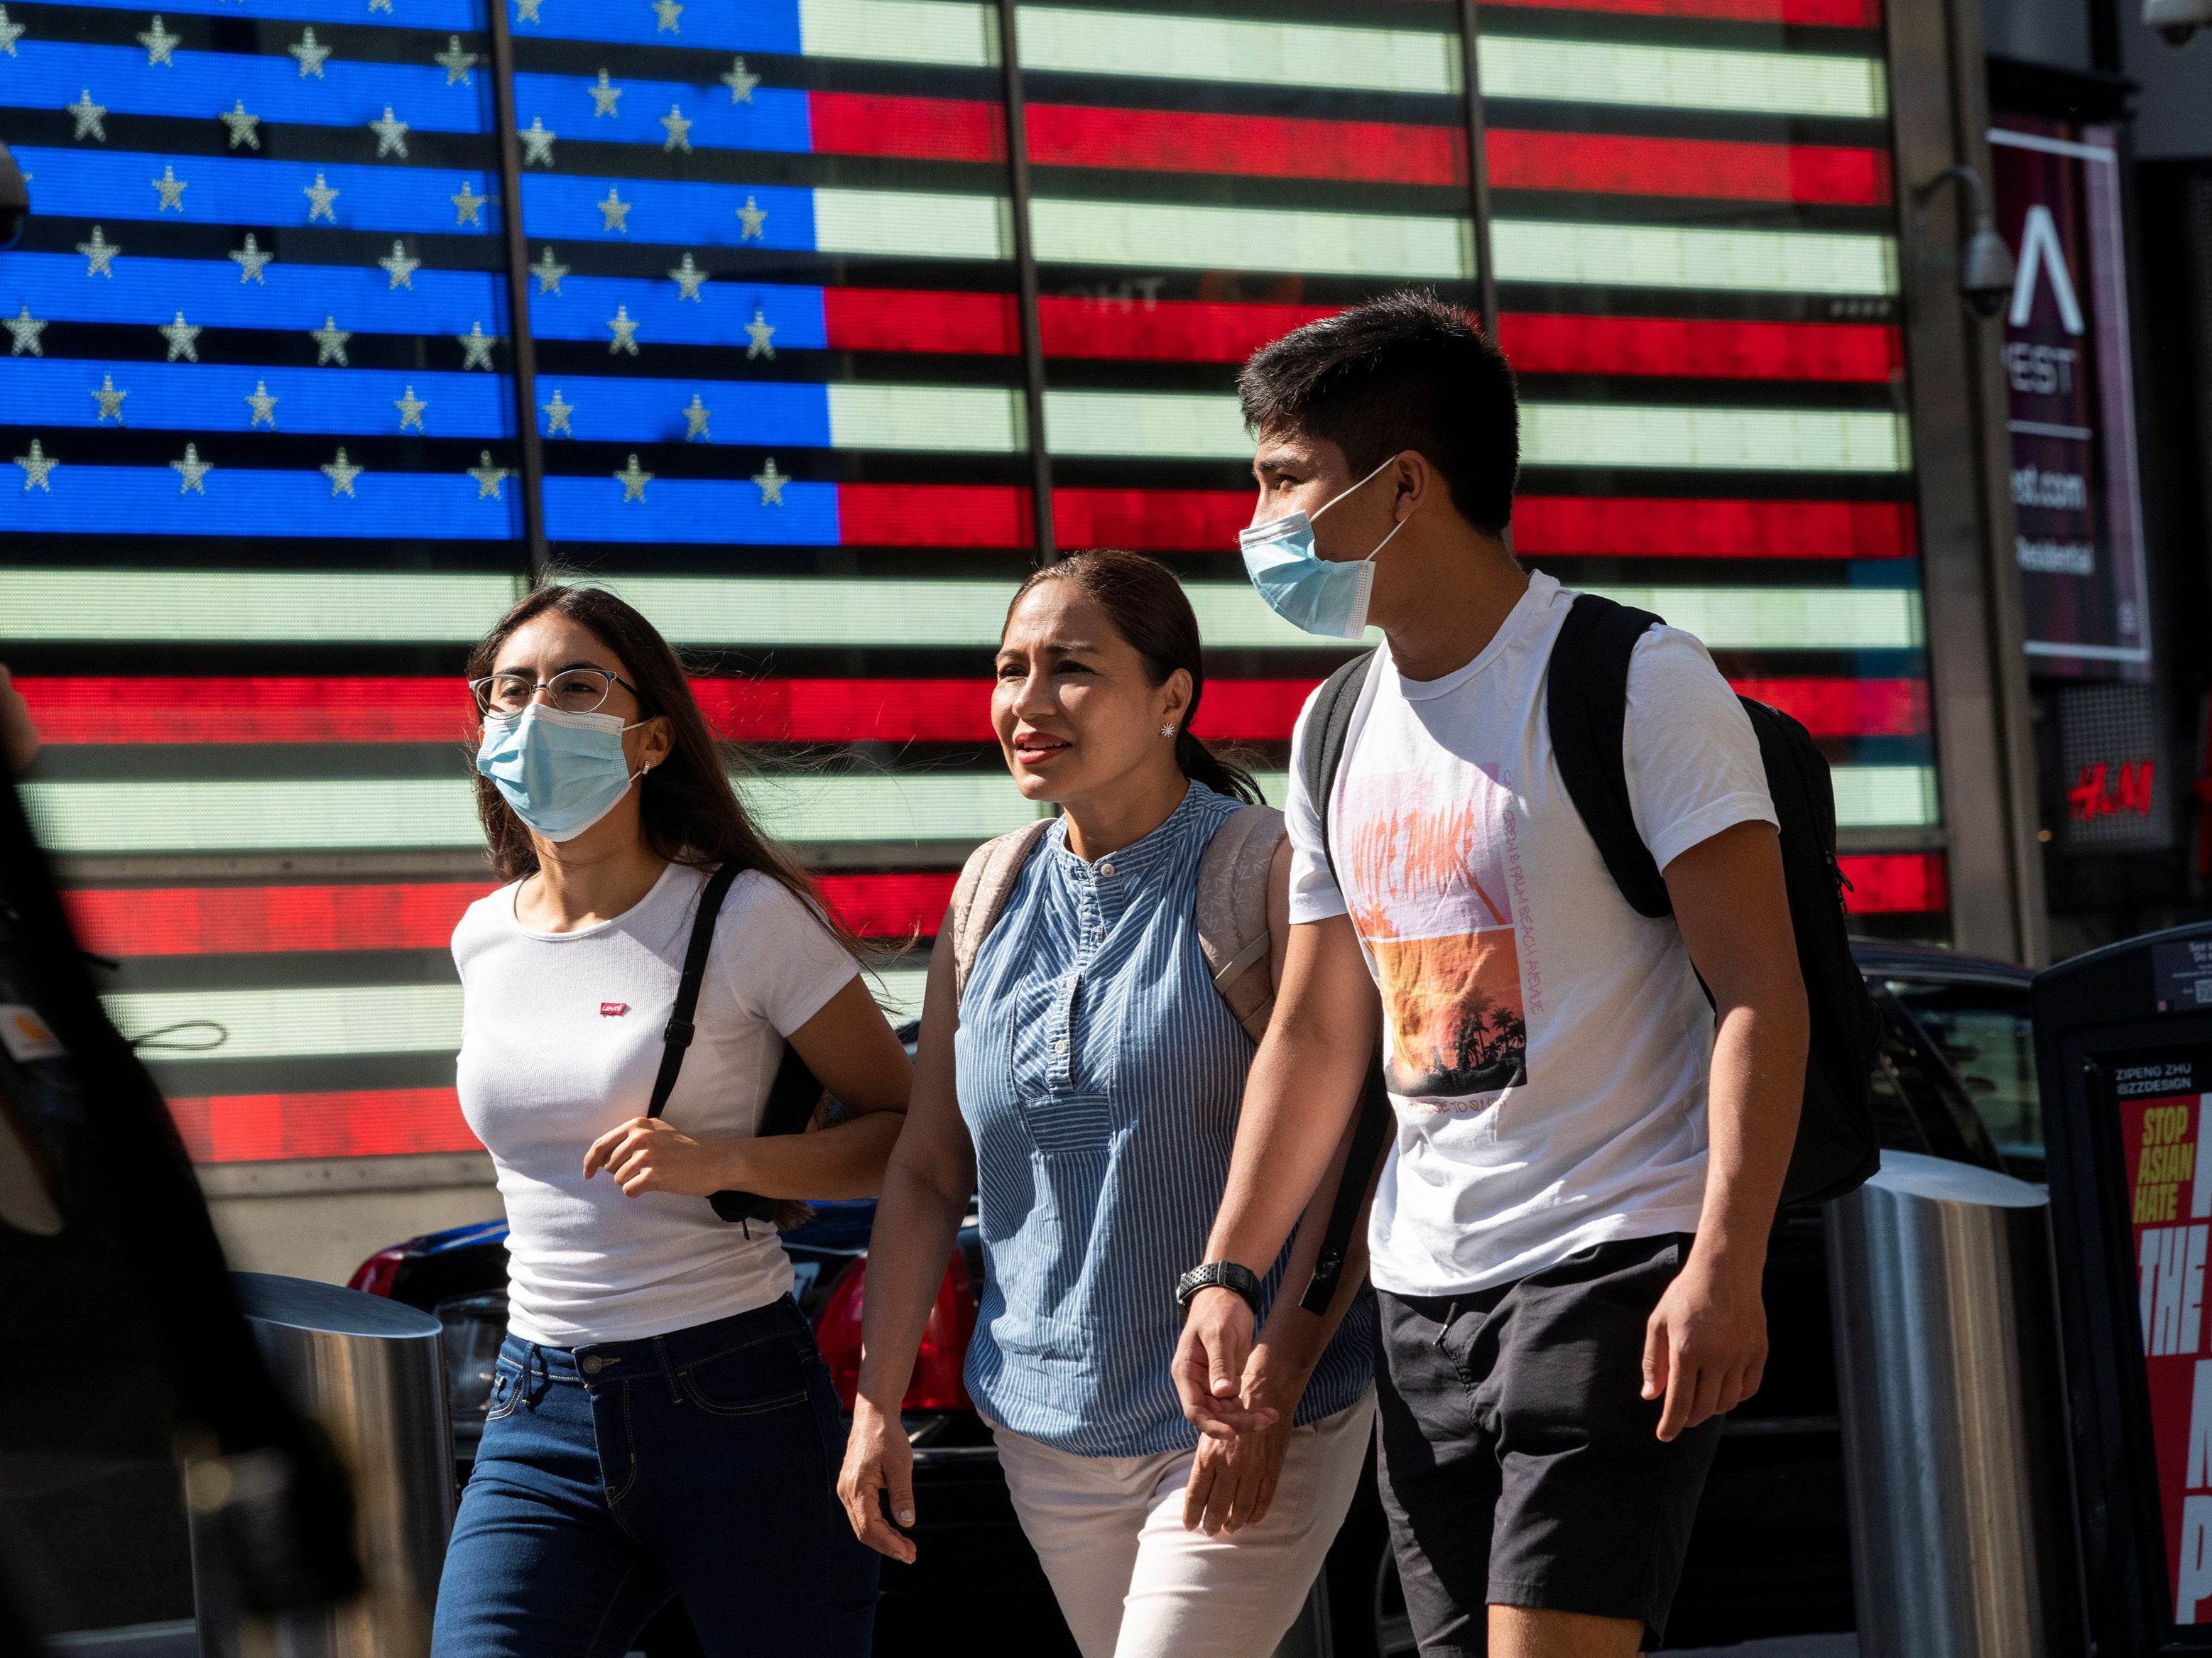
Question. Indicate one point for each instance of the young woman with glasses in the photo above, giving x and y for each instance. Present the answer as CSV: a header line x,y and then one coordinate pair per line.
x,y
660,1423
1085,1085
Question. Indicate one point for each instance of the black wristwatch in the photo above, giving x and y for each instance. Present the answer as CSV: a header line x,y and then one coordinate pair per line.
x,y
1219,1275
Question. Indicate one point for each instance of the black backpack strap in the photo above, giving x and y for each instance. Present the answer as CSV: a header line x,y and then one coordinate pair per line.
x,y
1324,757
1332,724
680,1031
1586,705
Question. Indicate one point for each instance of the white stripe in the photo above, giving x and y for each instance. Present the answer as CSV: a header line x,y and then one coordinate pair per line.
x,y
1223,49
243,605
1866,797
911,222
265,814
1184,424
306,1022
1786,618
1145,423
1660,256
1162,47
1683,77
936,418
1875,797
801,610
900,30
1768,439
297,1023
1249,238
274,815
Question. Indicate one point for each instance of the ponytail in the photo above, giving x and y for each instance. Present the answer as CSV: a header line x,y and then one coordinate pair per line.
x,y
1202,765
1148,608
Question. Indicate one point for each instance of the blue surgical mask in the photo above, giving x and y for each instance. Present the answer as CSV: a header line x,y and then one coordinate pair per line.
x,y
562,772
1304,589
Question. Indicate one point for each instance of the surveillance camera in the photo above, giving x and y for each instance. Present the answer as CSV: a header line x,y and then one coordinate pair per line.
x,y
1986,272
2177,20
14,199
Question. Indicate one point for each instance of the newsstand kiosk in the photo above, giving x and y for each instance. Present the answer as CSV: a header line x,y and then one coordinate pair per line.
x,y
2123,1045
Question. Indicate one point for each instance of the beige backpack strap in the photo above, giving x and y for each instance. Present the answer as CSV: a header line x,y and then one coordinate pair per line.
x,y
980,893
1232,913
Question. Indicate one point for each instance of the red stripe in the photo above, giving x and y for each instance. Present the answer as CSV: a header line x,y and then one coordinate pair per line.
x,y
850,710
1894,883
1685,167
890,906
1151,521
918,129
364,1123
992,515
919,319
1846,707
139,921
1868,352
933,515
1280,146
1260,146
1621,528
226,920
826,710
1819,14
1133,328
1173,331
259,710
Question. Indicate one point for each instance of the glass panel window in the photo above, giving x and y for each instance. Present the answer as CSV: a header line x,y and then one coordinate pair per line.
x,y
262,431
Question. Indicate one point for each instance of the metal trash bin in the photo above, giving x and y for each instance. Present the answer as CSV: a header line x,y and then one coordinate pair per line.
x,y
369,1371
1948,1376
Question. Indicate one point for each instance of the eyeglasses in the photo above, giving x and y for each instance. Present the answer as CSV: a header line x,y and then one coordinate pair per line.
x,y
573,690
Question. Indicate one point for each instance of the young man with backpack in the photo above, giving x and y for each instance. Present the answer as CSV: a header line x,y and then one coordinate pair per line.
x,y
1584,1153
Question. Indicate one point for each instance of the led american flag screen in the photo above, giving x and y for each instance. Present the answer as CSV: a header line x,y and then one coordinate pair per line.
x,y
269,476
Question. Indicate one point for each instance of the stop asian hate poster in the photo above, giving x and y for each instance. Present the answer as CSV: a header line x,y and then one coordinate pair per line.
x,y
2165,1105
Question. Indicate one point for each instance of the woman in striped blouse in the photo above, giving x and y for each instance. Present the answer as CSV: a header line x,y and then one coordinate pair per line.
x,y
1084,1086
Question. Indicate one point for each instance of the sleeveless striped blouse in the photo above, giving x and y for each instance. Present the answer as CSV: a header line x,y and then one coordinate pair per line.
x,y
1101,1075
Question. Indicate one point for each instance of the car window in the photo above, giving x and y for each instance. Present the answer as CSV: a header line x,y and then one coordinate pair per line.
x,y
1985,1032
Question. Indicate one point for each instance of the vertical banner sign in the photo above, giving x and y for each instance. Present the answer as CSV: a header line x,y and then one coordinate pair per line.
x,y
2166,1139
2073,486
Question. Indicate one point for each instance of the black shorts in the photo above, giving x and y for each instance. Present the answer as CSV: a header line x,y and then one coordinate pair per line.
x,y
1520,1464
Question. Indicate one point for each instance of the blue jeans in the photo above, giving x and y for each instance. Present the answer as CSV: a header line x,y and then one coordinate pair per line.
x,y
614,1476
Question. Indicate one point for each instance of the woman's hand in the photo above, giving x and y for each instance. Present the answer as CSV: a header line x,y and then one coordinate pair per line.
x,y
646,1155
878,1461
1233,1481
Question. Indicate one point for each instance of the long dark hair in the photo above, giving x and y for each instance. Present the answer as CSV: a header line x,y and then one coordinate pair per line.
x,y
1149,609
690,812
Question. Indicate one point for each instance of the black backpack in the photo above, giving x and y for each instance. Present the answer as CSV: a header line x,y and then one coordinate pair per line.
x,y
1586,707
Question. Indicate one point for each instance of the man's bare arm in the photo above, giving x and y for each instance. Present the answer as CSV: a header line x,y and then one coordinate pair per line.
x,y
1304,1085
1706,1348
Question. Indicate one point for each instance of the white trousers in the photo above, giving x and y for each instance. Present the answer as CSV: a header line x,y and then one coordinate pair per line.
x,y
1132,1583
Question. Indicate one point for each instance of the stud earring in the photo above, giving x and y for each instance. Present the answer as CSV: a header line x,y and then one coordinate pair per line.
x,y
1167,730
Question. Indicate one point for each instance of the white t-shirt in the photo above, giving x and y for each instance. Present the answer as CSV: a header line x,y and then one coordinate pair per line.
x,y
561,1039
1548,1045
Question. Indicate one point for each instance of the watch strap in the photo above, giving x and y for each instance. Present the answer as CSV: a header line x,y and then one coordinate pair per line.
x,y
1219,1275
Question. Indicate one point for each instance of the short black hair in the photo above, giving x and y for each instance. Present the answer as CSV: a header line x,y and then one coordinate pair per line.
x,y
1407,371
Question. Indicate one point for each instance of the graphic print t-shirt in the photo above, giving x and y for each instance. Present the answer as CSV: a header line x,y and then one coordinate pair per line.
x,y
1546,1047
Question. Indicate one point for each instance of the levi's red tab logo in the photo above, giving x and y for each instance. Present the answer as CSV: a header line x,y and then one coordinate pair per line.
x,y
613,1009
